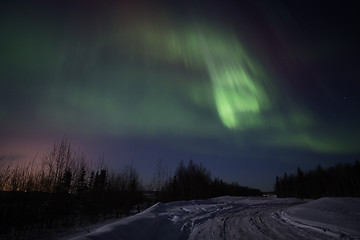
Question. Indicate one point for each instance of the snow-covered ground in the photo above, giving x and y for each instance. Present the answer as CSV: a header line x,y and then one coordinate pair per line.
x,y
238,218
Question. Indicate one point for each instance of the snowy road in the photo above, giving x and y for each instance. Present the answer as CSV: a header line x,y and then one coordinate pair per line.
x,y
240,218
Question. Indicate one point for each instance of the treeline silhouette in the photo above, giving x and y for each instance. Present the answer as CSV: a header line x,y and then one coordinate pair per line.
x,y
341,180
65,191
193,181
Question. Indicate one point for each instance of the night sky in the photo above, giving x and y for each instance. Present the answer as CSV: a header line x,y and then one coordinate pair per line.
x,y
249,88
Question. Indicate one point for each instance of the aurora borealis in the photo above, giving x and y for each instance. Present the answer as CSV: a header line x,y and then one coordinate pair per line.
x,y
250,89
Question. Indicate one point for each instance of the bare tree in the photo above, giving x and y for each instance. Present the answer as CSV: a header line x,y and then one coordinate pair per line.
x,y
161,177
56,162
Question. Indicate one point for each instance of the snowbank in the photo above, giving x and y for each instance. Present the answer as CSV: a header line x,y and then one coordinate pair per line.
x,y
239,217
337,216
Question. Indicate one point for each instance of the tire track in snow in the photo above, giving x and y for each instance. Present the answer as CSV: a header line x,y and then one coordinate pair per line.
x,y
228,218
263,221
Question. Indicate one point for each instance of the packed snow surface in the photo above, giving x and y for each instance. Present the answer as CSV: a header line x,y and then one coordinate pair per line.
x,y
239,218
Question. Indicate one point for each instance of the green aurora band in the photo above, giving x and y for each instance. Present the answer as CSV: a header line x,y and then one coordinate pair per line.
x,y
210,72
236,81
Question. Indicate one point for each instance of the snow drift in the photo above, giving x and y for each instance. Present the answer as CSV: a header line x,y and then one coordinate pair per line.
x,y
239,217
